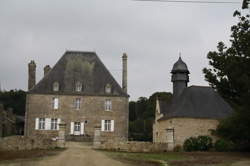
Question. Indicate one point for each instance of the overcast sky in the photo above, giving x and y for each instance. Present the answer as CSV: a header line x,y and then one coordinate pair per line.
x,y
151,33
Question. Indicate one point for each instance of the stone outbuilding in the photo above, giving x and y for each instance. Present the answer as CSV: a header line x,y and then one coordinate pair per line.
x,y
192,111
80,91
7,122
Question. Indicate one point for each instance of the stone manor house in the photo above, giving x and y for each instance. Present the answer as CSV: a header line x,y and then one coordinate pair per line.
x,y
81,92
193,110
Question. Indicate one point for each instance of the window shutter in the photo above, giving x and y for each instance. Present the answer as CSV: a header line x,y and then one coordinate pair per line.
x,y
58,122
37,123
102,127
47,123
72,128
82,128
56,106
112,125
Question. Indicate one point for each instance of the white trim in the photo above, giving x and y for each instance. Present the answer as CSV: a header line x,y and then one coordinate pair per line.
x,y
102,125
36,123
58,122
71,128
112,125
82,128
47,124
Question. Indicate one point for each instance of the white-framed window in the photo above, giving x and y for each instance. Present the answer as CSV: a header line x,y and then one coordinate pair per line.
x,y
55,103
77,103
108,105
55,86
108,88
41,124
107,125
77,126
78,87
54,124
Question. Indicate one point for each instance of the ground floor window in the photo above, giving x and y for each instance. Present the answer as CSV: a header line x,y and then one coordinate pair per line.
x,y
170,135
41,124
107,125
54,124
77,128
47,123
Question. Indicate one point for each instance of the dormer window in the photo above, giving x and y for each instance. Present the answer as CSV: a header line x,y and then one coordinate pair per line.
x,y
78,87
108,88
55,86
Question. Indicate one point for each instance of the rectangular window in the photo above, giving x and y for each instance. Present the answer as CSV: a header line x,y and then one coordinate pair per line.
x,y
55,103
54,124
107,125
77,103
77,126
108,105
41,125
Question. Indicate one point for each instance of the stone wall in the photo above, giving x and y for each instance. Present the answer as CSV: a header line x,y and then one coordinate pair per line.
x,y
133,146
183,128
7,122
91,112
25,143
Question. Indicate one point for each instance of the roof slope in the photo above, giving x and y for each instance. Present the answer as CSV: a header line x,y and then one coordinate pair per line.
x,y
199,102
84,67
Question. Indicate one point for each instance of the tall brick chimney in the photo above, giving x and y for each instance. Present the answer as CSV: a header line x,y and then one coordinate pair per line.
x,y
32,74
46,69
125,72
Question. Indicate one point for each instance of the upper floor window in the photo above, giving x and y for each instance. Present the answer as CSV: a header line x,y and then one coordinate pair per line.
x,y
78,87
108,88
55,86
41,124
55,103
108,105
77,126
77,103
54,124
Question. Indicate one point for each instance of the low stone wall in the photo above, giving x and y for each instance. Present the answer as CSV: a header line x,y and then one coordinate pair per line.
x,y
25,143
133,146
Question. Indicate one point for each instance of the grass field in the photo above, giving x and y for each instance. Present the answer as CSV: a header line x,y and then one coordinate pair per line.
x,y
180,158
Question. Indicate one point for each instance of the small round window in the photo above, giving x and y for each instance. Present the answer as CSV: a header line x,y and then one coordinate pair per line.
x,y
55,86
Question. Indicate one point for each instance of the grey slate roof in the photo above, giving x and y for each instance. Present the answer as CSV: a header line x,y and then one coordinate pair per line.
x,y
198,102
74,66
164,106
180,66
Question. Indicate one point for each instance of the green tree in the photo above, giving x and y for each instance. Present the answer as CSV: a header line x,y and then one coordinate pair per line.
x,y
230,76
15,99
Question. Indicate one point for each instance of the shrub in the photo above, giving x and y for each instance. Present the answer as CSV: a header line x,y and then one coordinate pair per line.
x,y
190,144
223,145
200,143
177,148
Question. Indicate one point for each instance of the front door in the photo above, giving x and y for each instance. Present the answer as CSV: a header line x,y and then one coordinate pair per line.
x,y
77,128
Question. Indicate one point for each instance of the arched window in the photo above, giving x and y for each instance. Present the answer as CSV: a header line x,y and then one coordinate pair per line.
x,y
108,88
78,86
55,86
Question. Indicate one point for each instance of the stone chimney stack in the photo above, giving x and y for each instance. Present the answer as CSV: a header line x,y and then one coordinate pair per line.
x,y
46,69
125,72
32,74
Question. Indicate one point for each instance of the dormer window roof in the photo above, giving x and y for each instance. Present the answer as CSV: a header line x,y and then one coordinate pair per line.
x,y
78,86
108,88
55,86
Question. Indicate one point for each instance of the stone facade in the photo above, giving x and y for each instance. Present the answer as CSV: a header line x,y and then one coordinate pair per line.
x,y
182,128
25,143
133,146
91,112
82,93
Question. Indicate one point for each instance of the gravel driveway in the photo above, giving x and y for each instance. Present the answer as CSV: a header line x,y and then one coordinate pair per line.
x,y
77,154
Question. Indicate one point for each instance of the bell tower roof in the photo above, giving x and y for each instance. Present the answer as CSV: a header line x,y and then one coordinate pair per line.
x,y
180,67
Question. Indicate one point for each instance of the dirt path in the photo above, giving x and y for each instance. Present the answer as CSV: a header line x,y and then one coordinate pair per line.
x,y
77,154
